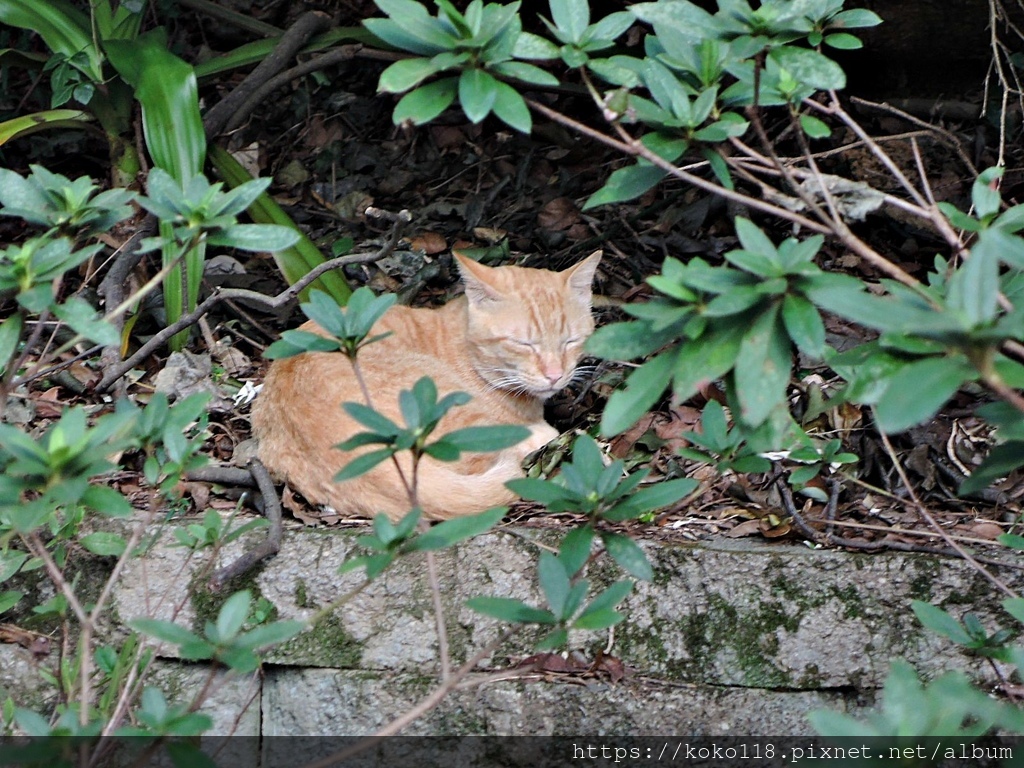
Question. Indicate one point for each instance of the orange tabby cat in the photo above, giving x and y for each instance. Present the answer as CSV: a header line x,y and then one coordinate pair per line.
x,y
511,342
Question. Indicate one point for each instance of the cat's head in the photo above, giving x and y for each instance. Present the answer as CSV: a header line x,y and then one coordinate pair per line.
x,y
526,327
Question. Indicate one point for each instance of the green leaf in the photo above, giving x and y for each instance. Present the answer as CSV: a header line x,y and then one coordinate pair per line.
x,y
919,389
107,501
165,86
1011,220
10,336
762,368
458,529
626,184
643,388
478,91
843,41
809,67
427,102
85,320
554,583
856,17
486,439
362,464
528,73
985,193
572,17
652,497
541,491
628,555
104,544
255,237
511,108
9,599
1011,540
815,128
804,325
412,19
1001,461
625,341
232,615
974,287
706,358
507,609
534,47
167,631
269,634
753,238
373,419
959,219
575,548
1015,607
405,74
65,30
600,613
937,620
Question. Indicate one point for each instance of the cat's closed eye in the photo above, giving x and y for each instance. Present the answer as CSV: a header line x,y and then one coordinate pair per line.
x,y
521,343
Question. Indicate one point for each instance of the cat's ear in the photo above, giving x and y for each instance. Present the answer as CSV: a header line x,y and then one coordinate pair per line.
x,y
580,277
478,279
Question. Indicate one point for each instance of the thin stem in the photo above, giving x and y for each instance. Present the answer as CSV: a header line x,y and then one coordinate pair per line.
x,y
927,516
422,707
442,630
630,146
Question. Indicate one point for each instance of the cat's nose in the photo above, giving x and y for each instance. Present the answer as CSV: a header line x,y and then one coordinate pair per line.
x,y
553,374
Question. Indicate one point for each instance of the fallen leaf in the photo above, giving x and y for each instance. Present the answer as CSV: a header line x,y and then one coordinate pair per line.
x,y
297,508
429,242
490,234
560,213
200,493
447,137
48,405
746,528
986,530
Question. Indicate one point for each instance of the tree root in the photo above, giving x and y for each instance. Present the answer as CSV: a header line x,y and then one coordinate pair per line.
x,y
271,545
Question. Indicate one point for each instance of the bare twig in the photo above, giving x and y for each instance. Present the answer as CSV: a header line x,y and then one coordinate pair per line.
x,y
422,707
223,294
927,517
307,25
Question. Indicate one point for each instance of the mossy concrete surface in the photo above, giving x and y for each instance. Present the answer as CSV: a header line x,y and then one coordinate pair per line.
x,y
729,637
721,613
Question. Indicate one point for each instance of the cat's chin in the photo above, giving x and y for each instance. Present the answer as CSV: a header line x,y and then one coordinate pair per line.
x,y
545,394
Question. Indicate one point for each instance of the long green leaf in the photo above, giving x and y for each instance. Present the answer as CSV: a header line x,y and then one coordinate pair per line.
x,y
40,121
299,259
64,29
166,88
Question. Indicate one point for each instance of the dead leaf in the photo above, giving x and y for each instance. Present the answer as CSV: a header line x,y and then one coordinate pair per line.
x,y
746,528
320,134
489,234
249,158
985,530
448,137
297,508
560,213
33,641
48,405
774,527
429,242
200,493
